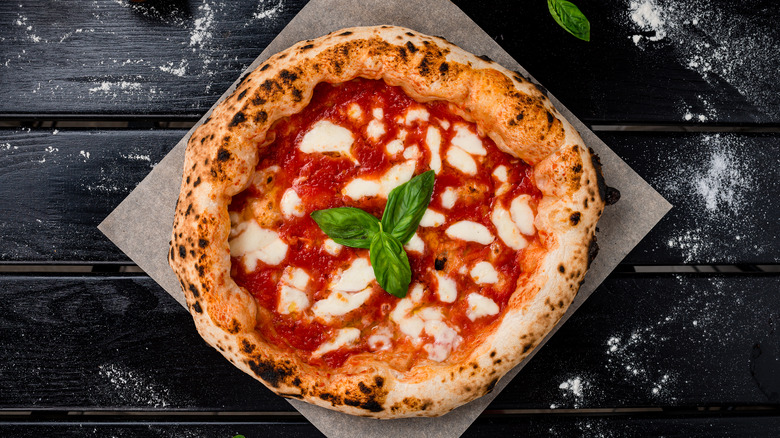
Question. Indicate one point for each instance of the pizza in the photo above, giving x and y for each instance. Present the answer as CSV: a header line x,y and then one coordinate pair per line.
x,y
344,121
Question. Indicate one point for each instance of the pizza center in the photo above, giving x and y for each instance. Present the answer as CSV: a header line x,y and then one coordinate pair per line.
x,y
351,146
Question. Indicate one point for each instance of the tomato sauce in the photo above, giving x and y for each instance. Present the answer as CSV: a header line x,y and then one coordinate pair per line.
x,y
319,178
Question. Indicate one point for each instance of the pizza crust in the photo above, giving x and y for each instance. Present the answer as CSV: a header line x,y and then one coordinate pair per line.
x,y
221,158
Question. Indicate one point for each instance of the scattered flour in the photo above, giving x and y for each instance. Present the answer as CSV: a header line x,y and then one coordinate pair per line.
x,y
84,154
268,11
202,33
573,385
179,70
716,182
716,43
124,86
134,388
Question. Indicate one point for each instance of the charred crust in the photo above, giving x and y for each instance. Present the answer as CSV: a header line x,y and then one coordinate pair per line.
x,y
379,381
347,33
307,47
258,100
270,372
261,117
409,34
424,67
189,210
194,290
291,395
241,94
593,250
599,176
265,67
519,77
526,347
444,68
203,243
297,95
439,263
196,183
561,269
402,53
491,385
287,77
182,251
574,219
541,88
363,388
485,58
247,347
196,307
238,119
550,118
493,353
612,196
223,154
412,49
296,381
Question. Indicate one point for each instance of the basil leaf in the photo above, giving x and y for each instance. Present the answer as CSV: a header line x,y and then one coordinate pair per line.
x,y
348,226
569,17
406,205
391,266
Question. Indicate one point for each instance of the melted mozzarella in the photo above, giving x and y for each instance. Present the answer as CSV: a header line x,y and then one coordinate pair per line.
x,y
417,292
295,277
467,140
381,340
500,173
414,114
449,197
375,129
444,124
397,175
461,160
410,325
332,247
446,288
340,303
254,243
433,142
484,273
431,218
291,204
355,112
412,152
344,337
378,113
480,306
325,136
445,339
415,244
291,300
359,188
394,147
506,228
522,214
355,278
470,231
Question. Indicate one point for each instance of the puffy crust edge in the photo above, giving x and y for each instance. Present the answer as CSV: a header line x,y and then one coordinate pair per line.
x,y
515,113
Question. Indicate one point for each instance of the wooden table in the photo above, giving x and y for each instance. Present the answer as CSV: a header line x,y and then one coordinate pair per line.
x,y
681,340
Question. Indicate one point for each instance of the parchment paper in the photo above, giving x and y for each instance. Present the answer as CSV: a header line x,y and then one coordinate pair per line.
x,y
141,225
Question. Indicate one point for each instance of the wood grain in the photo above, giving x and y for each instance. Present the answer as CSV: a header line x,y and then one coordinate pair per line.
x,y
705,426
173,59
122,344
721,216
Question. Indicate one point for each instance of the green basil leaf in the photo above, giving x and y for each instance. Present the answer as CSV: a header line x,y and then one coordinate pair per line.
x,y
569,17
348,226
391,266
406,205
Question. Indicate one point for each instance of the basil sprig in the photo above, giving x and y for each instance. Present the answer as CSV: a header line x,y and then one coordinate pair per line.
x,y
384,239
569,17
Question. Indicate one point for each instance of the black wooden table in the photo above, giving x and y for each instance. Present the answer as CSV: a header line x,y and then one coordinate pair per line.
x,y
681,340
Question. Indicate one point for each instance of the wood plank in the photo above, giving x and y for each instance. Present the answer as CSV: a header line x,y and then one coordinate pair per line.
x,y
721,215
710,62
723,188
117,344
709,425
